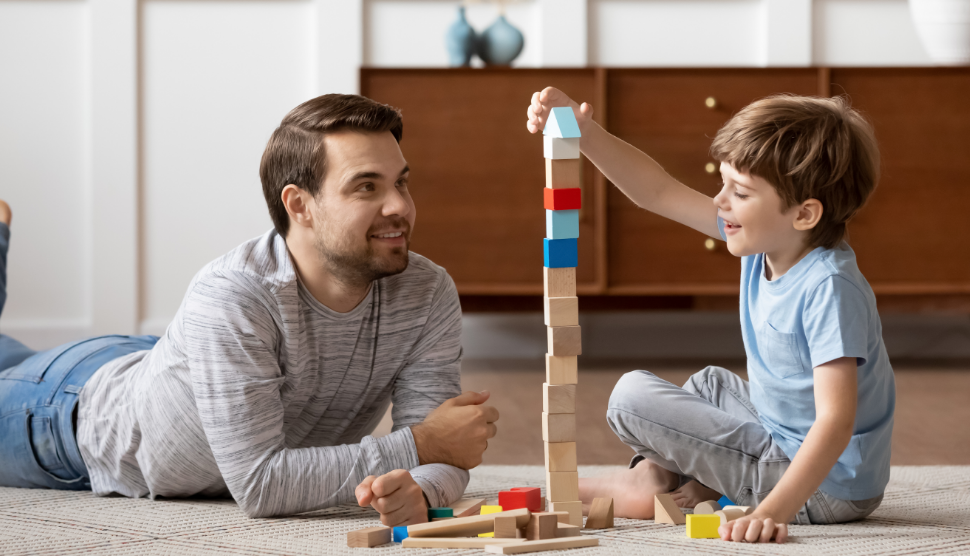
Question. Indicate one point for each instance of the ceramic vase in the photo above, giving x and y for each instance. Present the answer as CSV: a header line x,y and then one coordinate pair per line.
x,y
460,41
500,43
944,29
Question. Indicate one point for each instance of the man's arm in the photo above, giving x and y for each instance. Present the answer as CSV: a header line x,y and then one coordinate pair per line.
x,y
836,397
631,170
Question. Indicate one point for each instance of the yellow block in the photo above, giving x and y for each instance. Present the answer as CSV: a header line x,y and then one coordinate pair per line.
x,y
703,526
491,510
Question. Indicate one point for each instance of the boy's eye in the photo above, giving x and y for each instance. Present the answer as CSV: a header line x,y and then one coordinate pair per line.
x,y
740,195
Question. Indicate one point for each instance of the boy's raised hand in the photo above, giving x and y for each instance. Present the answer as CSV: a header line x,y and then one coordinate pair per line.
x,y
549,98
754,529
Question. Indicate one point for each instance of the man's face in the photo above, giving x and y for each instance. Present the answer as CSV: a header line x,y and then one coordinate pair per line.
x,y
754,215
364,213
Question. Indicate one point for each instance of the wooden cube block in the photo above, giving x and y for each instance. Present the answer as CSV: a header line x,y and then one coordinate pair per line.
x,y
542,526
562,486
562,199
567,530
564,174
559,427
559,398
574,508
489,510
562,224
521,497
560,253
559,282
367,538
564,340
561,370
703,526
600,514
560,456
557,148
707,508
561,311
506,528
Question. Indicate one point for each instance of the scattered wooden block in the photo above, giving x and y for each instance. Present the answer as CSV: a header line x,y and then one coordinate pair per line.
x,y
562,486
456,542
560,253
559,148
542,504
561,122
665,510
467,526
703,526
729,514
467,506
542,526
560,456
564,174
746,509
559,427
539,546
400,533
557,200
369,537
521,497
559,282
562,224
561,369
707,508
505,527
724,502
561,311
600,514
567,530
559,398
490,510
573,507
565,340
440,513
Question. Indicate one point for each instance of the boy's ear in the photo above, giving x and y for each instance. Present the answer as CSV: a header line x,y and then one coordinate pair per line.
x,y
808,215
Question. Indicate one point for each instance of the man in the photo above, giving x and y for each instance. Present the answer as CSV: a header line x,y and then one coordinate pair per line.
x,y
284,355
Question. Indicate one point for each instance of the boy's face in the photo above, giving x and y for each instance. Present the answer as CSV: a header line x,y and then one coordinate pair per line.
x,y
754,215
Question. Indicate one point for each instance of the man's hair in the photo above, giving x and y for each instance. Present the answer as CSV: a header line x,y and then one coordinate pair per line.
x,y
295,154
807,148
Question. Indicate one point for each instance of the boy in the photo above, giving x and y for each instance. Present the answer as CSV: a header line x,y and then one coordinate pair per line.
x,y
807,440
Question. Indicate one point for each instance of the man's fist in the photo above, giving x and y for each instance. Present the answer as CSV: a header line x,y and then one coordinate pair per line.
x,y
547,99
396,496
457,432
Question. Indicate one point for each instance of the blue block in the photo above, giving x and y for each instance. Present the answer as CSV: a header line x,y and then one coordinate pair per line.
x,y
561,123
562,224
725,501
560,253
400,533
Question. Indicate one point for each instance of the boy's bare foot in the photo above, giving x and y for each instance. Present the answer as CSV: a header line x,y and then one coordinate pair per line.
x,y
632,490
692,494
5,213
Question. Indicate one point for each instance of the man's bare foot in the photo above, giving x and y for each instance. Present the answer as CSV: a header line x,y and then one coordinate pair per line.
x,y
692,494
632,490
5,213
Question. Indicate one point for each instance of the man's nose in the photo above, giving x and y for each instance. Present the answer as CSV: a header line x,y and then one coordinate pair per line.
x,y
395,204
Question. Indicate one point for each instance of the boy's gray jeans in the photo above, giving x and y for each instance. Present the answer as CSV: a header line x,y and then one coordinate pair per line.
x,y
709,431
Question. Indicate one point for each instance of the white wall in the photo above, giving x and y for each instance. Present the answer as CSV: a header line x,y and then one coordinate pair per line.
x,y
130,131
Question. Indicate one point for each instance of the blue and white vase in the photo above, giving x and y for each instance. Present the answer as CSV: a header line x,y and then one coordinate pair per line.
x,y
500,43
460,41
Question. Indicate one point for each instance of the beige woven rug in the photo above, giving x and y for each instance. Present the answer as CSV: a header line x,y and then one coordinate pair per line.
x,y
926,511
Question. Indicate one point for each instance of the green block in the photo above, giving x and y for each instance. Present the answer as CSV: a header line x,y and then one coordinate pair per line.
x,y
440,512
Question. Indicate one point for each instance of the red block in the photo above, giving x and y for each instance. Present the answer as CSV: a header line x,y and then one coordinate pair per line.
x,y
563,199
522,497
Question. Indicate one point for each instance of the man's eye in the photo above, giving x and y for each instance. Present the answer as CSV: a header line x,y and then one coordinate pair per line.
x,y
366,187
402,183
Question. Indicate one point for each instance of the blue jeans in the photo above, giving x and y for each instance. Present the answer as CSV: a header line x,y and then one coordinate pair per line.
x,y
38,397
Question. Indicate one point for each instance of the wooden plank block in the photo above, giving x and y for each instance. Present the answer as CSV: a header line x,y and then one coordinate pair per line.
x,y
369,537
567,530
560,456
707,508
562,486
573,507
559,282
703,526
559,398
539,546
466,526
565,340
467,506
561,369
562,199
564,174
665,510
560,148
541,526
600,514
560,253
456,542
559,427
561,311
562,224
729,514
505,528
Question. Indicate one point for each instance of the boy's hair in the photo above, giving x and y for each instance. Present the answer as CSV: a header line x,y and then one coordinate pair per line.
x,y
295,153
807,148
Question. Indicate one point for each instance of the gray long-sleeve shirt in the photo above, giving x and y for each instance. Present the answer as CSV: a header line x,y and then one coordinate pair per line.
x,y
259,391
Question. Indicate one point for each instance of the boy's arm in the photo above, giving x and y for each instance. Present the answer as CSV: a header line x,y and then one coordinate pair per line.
x,y
836,396
637,175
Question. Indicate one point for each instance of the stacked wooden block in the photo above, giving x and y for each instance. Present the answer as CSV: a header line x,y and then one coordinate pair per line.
x,y
562,199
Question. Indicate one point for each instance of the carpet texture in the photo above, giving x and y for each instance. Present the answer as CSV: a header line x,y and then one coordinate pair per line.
x,y
926,511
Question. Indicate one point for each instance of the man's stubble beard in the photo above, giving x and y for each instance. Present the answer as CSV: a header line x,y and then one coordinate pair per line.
x,y
360,267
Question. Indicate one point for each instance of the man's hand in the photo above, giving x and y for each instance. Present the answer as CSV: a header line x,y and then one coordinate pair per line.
x,y
549,98
396,496
457,432
754,528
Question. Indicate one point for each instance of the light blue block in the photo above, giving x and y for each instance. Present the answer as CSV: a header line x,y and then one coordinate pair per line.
x,y
562,224
561,123
560,253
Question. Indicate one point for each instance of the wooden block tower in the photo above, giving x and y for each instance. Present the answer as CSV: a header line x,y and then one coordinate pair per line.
x,y
562,199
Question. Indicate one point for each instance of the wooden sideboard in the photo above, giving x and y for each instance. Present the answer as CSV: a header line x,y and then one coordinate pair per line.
x,y
477,175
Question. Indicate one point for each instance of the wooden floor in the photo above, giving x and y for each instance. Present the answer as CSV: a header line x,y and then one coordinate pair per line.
x,y
931,428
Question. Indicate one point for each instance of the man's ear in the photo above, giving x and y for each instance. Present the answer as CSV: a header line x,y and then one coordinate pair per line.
x,y
807,216
297,203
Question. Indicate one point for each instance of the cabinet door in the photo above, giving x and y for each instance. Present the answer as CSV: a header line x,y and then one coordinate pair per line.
x,y
914,234
477,174
666,113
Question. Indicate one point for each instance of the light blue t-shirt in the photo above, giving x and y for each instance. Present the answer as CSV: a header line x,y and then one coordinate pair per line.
x,y
820,310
